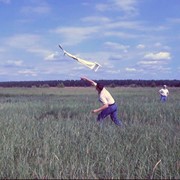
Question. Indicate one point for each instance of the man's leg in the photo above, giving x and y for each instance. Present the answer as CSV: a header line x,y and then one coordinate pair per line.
x,y
104,114
114,117
112,111
163,98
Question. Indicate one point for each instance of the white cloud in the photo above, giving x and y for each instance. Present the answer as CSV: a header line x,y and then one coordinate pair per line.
x,y
122,35
23,40
52,57
158,44
74,35
148,62
28,42
17,63
102,7
162,69
39,51
27,72
116,46
126,6
130,69
115,57
140,46
134,25
155,63
161,46
153,66
96,19
158,56
113,71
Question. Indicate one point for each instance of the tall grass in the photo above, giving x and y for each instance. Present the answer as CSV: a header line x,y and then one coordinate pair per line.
x,y
50,133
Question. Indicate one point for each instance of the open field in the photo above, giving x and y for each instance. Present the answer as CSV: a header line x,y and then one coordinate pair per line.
x,y
50,133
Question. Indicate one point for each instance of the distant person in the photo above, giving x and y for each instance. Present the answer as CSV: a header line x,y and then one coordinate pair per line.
x,y
164,92
109,107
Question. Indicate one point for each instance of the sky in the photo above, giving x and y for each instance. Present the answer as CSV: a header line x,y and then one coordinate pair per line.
x,y
130,39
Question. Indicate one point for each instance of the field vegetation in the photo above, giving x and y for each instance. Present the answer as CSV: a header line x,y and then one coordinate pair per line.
x,y
51,133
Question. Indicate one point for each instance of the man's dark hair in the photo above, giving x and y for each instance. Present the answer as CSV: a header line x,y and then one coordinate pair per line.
x,y
100,86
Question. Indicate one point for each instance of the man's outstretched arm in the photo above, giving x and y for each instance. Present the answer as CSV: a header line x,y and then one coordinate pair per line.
x,y
93,83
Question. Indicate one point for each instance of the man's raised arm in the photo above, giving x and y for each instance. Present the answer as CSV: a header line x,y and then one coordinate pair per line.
x,y
89,80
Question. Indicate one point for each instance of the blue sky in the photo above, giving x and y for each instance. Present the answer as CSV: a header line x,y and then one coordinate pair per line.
x,y
131,39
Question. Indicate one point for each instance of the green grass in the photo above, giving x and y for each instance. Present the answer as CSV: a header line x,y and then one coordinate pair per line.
x,y
50,133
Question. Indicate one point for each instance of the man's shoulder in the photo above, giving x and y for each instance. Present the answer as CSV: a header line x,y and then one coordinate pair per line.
x,y
104,91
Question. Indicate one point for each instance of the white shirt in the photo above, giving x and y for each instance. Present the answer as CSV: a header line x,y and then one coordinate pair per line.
x,y
164,92
105,97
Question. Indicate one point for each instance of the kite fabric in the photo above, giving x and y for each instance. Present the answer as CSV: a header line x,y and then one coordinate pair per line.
x,y
92,65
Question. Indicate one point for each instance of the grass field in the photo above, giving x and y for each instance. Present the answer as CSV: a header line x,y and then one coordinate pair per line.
x,y
50,133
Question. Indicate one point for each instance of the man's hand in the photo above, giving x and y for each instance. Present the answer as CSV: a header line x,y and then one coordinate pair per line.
x,y
95,111
100,109
83,78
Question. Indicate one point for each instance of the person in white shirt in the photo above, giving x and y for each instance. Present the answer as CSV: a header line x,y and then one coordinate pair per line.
x,y
164,92
109,107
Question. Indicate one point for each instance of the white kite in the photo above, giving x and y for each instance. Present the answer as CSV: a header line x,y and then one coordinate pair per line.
x,y
92,65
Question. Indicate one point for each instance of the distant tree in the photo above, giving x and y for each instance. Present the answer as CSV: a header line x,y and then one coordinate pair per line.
x,y
133,85
112,85
45,86
60,85
76,83
153,84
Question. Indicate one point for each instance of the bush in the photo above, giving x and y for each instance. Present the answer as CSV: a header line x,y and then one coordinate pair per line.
x,y
45,86
60,85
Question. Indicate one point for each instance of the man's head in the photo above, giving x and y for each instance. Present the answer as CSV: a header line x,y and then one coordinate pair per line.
x,y
164,86
99,87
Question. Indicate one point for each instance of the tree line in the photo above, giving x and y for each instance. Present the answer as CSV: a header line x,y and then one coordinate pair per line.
x,y
80,83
